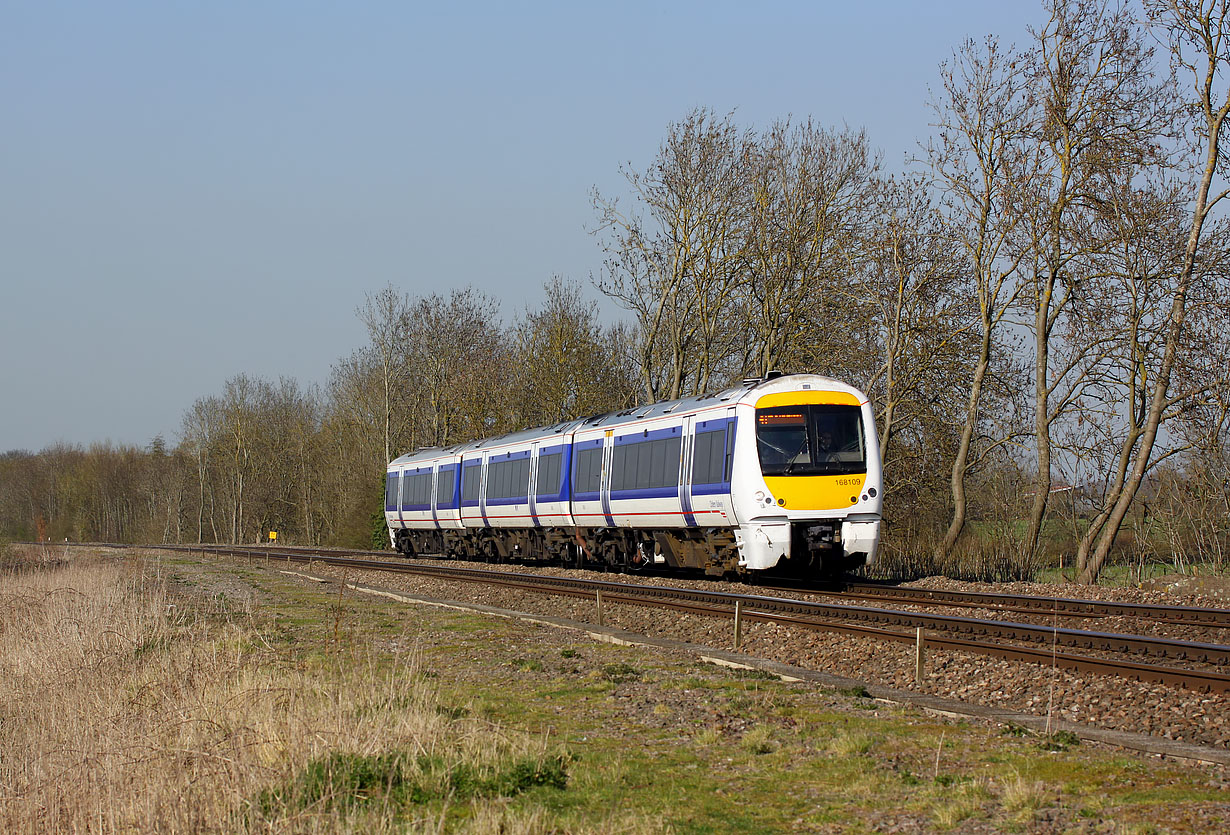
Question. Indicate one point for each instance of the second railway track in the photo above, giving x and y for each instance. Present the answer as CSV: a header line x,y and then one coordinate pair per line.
x,y
1123,655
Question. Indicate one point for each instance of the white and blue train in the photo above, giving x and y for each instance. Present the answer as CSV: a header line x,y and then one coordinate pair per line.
x,y
782,473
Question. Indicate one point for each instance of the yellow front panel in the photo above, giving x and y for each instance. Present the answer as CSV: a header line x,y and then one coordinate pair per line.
x,y
799,398
816,492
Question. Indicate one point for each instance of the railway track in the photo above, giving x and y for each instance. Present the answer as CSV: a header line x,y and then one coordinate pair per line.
x,y
1026,604
1129,656
1212,618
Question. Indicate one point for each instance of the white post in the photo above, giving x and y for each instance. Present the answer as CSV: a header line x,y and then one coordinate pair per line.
x,y
738,623
919,657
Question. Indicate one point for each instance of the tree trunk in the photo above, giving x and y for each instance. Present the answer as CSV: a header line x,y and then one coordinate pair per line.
x,y
1174,331
1042,421
959,465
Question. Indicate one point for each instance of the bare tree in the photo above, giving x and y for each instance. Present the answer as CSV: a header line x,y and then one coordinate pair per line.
x,y
1098,118
982,120
201,426
1199,38
460,366
812,194
386,317
569,365
674,261
911,294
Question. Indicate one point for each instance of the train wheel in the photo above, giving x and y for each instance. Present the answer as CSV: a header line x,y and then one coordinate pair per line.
x,y
405,547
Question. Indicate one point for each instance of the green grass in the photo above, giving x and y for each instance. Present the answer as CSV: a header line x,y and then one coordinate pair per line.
x,y
399,780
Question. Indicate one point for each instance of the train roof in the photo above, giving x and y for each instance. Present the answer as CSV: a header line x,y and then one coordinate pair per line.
x,y
731,396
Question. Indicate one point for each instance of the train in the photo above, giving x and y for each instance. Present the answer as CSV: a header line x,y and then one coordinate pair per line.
x,y
780,474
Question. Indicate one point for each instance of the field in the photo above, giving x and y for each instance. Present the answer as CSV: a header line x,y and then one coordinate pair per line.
x,y
172,694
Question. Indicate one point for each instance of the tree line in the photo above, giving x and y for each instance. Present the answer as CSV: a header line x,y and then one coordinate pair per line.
x,y
308,462
1038,305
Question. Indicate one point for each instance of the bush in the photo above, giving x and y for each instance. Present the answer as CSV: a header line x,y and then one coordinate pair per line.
x,y
986,558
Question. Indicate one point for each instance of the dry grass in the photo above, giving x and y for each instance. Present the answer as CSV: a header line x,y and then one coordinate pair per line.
x,y
851,743
1021,795
959,803
120,710
759,740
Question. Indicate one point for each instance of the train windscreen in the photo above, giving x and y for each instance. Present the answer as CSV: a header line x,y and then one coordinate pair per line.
x,y
811,439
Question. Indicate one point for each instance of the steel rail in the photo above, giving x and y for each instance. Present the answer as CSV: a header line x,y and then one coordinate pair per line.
x,y
1030,604
1025,604
1110,642
801,614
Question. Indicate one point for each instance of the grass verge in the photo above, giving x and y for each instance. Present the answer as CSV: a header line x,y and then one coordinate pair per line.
x,y
148,696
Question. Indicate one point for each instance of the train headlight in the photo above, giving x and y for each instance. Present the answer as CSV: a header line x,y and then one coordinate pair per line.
x,y
760,495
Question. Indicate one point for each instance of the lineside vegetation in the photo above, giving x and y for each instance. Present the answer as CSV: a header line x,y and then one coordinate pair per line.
x,y
155,694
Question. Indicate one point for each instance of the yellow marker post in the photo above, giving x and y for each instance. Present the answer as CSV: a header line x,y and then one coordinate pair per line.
x,y
273,536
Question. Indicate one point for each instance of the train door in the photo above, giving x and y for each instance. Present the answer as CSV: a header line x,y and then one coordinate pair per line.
x,y
482,490
532,498
685,469
435,490
608,453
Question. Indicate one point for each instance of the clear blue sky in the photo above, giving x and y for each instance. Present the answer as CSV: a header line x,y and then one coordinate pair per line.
x,y
189,191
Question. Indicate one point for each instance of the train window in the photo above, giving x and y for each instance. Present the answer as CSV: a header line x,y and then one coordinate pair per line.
x,y
497,480
647,465
644,462
470,475
623,467
508,479
390,491
730,452
670,461
589,471
417,490
657,469
708,458
549,468
523,478
619,467
444,486
811,439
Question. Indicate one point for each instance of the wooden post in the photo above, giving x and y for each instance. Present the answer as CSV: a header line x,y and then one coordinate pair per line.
x,y
599,595
738,623
919,658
